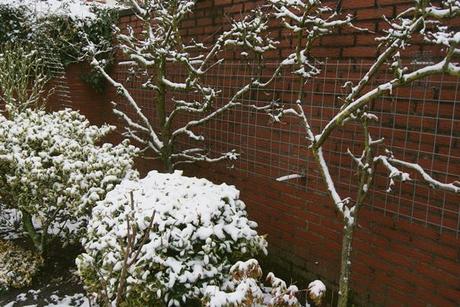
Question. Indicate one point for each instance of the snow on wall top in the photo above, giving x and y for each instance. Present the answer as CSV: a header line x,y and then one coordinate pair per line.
x,y
75,9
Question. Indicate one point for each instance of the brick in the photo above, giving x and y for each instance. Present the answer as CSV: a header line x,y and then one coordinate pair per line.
x,y
413,277
222,2
430,246
338,40
438,275
410,251
203,4
401,294
359,52
366,40
449,294
447,265
392,2
374,13
424,231
204,21
429,299
354,4
322,52
236,8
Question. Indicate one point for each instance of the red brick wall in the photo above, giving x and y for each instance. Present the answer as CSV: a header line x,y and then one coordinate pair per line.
x,y
395,261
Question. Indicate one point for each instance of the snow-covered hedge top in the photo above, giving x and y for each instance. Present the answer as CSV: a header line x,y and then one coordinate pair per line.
x,y
200,229
202,208
75,9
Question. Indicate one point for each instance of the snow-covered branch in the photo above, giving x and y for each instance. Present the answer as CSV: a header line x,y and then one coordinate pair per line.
x,y
153,54
385,89
290,177
308,20
449,9
200,155
390,163
156,142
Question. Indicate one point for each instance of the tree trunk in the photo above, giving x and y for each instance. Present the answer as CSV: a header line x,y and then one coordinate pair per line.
x,y
167,150
168,162
32,233
345,269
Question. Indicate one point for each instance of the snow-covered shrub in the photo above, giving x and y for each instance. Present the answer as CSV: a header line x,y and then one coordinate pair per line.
x,y
246,289
17,266
23,79
242,290
198,231
53,172
316,291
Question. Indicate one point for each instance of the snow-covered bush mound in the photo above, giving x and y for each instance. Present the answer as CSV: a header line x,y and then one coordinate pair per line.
x,y
17,266
52,170
199,230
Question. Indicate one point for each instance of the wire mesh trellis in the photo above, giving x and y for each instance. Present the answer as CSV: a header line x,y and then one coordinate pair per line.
x,y
58,81
420,123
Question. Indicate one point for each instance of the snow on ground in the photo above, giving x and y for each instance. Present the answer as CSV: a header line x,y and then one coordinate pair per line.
x,y
54,300
9,223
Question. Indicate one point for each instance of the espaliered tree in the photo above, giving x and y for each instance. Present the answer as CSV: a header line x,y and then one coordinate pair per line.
x,y
160,46
422,19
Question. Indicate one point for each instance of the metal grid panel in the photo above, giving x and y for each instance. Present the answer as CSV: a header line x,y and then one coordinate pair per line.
x,y
420,123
